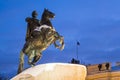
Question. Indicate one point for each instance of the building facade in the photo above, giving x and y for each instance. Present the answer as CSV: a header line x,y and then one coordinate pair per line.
x,y
103,71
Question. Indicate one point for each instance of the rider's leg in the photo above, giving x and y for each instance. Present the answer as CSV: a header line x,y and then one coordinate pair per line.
x,y
43,32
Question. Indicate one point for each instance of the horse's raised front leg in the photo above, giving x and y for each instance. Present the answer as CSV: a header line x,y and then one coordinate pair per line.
x,y
61,46
21,62
62,43
61,39
56,46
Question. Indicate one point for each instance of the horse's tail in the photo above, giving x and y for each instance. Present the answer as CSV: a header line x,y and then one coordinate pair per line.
x,y
21,62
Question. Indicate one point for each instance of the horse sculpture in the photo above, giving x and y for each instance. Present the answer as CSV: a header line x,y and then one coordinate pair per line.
x,y
46,35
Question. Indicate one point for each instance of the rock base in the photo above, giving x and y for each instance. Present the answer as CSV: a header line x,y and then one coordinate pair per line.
x,y
53,71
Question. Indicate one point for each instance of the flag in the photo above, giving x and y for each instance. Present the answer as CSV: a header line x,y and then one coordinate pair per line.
x,y
78,43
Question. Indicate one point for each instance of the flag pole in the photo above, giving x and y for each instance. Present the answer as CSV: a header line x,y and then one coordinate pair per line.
x,y
77,49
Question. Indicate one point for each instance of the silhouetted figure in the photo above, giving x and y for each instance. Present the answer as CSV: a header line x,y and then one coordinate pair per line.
x,y
107,66
99,67
74,61
77,62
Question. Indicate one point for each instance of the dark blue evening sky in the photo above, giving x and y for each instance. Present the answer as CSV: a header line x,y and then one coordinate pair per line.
x,y
94,23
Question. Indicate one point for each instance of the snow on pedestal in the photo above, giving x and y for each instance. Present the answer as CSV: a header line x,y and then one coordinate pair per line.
x,y
53,71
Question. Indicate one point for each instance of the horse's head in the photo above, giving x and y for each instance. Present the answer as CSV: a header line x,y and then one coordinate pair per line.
x,y
48,14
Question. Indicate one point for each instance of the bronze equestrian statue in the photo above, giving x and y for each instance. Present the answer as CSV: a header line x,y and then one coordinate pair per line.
x,y
41,35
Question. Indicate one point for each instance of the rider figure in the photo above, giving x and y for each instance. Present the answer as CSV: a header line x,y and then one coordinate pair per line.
x,y
32,24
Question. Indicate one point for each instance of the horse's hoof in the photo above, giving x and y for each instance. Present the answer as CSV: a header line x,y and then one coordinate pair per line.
x,y
62,47
33,64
